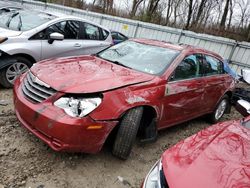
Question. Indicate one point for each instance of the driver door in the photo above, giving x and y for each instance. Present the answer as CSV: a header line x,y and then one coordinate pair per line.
x,y
70,46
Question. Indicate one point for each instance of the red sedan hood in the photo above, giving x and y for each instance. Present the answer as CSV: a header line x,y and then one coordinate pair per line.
x,y
217,157
86,74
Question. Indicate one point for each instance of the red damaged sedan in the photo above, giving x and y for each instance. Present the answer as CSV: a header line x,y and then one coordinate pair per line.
x,y
131,89
217,157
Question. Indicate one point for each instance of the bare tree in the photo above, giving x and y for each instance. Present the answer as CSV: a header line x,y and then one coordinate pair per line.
x,y
201,8
224,16
135,6
231,5
190,12
169,11
151,9
244,7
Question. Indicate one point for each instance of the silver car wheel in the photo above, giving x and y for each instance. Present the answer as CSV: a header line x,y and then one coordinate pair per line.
x,y
220,109
15,70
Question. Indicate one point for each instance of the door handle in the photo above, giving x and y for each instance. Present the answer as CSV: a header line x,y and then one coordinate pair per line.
x,y
77,45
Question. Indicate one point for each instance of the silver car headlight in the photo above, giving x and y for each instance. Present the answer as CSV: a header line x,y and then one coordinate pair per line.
x,y
153,178
78,107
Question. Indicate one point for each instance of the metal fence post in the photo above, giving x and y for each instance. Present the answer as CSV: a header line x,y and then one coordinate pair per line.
x,y
101,20
179,39
232,51
45,5
136,30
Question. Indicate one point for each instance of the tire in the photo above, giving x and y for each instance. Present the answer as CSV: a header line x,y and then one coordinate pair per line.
x,y
13,71
127,132
220,109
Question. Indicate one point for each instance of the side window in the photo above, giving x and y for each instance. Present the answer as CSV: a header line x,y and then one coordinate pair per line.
x,y
121,37
38,36
213,66
92,32
70,29
115,36
105,34
188,68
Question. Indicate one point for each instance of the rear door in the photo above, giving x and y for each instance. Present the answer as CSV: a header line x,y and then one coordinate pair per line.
x,y
94,38
216,81
184,96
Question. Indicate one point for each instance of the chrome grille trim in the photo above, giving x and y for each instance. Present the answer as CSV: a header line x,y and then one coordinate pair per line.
x,y
34,91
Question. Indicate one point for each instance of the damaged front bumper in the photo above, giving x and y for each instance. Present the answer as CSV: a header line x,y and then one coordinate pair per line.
x,y
58,130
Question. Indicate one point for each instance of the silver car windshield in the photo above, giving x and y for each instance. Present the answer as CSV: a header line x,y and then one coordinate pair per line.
x,y
142,57
23,20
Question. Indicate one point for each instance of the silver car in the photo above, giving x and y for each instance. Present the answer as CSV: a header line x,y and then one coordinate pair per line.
x,y
28,36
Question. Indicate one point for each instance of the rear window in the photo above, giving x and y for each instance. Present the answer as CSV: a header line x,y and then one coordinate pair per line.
x,y
23,20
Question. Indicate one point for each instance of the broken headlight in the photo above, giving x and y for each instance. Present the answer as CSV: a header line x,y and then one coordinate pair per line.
x,y
153,178
78,107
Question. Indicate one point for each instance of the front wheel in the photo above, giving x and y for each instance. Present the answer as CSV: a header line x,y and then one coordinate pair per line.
x,y
127,132
9,74
220,109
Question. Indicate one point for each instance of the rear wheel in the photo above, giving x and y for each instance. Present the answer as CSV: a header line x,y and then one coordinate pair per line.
x,y
9,74
220,109
127,133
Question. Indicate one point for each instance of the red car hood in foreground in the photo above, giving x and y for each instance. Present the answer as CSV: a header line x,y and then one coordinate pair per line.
x,y
217,157
86,74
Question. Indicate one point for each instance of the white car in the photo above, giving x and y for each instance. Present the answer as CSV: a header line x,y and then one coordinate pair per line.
x,y
28,36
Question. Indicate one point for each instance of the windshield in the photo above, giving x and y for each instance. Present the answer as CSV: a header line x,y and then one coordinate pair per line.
x,y
23,20
142,57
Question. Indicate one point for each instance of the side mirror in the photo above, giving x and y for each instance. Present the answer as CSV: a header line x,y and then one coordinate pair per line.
x,y
245,75
55,36
243,107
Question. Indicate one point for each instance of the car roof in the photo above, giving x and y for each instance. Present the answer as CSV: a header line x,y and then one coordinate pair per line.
x,y
179,47
56,15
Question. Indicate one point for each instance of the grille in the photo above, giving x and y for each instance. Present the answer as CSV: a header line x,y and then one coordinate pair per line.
x,y
35,90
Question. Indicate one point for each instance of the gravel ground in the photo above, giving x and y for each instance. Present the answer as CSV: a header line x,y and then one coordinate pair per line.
x,y
27,162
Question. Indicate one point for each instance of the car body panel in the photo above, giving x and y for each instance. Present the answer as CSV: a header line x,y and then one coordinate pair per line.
x,y
215,157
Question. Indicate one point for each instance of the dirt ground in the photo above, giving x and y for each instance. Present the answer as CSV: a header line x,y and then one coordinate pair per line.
x,y
25,161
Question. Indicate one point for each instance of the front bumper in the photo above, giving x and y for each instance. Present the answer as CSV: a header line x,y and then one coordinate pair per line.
x,y
60,131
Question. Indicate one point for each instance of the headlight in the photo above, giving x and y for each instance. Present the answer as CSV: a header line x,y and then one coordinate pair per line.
x,y
78,107
2,39
153,178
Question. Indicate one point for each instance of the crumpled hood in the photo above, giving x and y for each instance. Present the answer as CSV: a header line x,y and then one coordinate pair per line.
x,y
86,74
216,157
9,33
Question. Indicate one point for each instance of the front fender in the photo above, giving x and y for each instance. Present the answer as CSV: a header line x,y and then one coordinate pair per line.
x,y
5,61
117,102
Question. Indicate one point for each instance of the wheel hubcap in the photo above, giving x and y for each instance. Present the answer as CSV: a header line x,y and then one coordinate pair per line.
x,y
220,109
15,70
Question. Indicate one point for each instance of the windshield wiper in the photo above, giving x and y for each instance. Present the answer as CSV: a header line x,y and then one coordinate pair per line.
x,y
10,18
115,62
118,63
